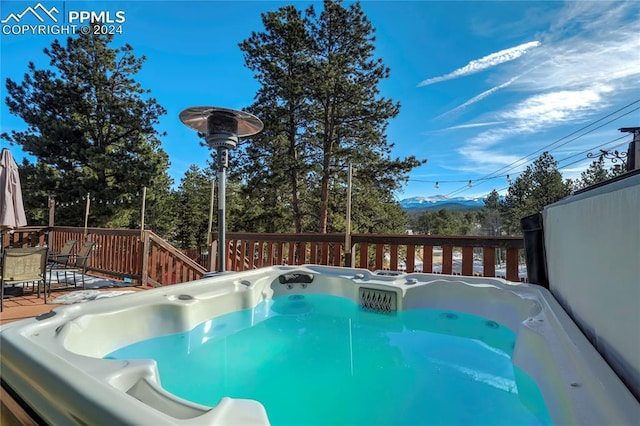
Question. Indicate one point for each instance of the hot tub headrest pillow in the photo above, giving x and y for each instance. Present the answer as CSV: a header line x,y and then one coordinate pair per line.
x,y
296,278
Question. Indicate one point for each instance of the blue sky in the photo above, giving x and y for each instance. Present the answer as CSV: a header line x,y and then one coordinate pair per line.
x,y
484,86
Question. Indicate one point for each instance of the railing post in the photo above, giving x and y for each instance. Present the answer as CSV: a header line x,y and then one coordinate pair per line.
x,y
146,246
379,256
212,255
213,252
489,261
364,255
427,259
393,261
467,261
447,260
410,263
512,265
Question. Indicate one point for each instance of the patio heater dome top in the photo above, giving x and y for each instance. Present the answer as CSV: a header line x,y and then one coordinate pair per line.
x,y
221,127
211,119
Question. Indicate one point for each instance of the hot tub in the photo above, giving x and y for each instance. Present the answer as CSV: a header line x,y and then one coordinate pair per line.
x,y
55,364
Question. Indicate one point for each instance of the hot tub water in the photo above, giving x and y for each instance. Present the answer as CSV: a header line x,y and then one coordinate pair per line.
x,y
320,359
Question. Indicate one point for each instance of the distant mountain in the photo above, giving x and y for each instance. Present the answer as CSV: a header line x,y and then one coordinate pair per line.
x,y
438,202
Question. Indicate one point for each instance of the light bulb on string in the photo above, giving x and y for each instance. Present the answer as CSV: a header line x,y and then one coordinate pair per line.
x,y
470,185
437,185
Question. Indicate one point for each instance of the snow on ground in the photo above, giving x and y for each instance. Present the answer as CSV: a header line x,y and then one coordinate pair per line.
x,y
501,268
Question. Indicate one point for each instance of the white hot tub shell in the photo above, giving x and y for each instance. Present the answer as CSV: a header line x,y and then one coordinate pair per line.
x,y
54,363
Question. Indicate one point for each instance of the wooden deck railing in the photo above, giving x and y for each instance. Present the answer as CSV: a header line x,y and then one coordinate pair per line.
x,y
411,253
121,254
146,259
28,236
116,253
164,264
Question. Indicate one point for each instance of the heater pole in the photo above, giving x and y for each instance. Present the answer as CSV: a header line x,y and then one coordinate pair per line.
x,y
223,162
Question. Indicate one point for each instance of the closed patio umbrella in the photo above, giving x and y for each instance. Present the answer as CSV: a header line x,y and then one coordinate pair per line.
x,y
11,206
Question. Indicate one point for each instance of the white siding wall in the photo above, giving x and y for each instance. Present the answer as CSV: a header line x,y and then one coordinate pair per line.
x,y
592,242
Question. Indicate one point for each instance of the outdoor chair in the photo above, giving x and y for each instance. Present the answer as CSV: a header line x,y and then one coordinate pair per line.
x,y
63,256
75,264
24,266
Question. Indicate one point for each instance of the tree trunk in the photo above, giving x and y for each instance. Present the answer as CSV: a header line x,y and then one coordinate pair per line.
x,y
293,175
324,193
326,167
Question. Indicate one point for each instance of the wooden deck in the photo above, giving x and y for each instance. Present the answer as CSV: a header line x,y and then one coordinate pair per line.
x,y
29,305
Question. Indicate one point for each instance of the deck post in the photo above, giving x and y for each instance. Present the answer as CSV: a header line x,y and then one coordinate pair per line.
x,y
348,256
144,273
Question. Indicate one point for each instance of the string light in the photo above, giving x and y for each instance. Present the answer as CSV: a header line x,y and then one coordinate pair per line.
x,y
464,180
126,199
437,185
470,185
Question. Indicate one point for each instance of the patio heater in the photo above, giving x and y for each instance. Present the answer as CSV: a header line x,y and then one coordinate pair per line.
x,y
221,128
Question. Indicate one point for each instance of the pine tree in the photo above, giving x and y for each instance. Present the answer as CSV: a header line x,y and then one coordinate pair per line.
x,y
321,105
193,198
276,158
91,122
595,173
444,222
491,215
538,186
350,118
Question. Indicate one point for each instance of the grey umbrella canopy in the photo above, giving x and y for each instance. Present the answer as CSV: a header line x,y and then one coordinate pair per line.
x,y
11,206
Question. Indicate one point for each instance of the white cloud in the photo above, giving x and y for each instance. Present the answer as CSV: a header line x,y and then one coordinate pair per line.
x,y
480,156
481,64
479,97
531,116
579,61
587,64
467,126
553,108
576,170
483,163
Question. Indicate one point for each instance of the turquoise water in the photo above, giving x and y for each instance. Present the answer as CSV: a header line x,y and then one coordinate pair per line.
x,y
320,360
